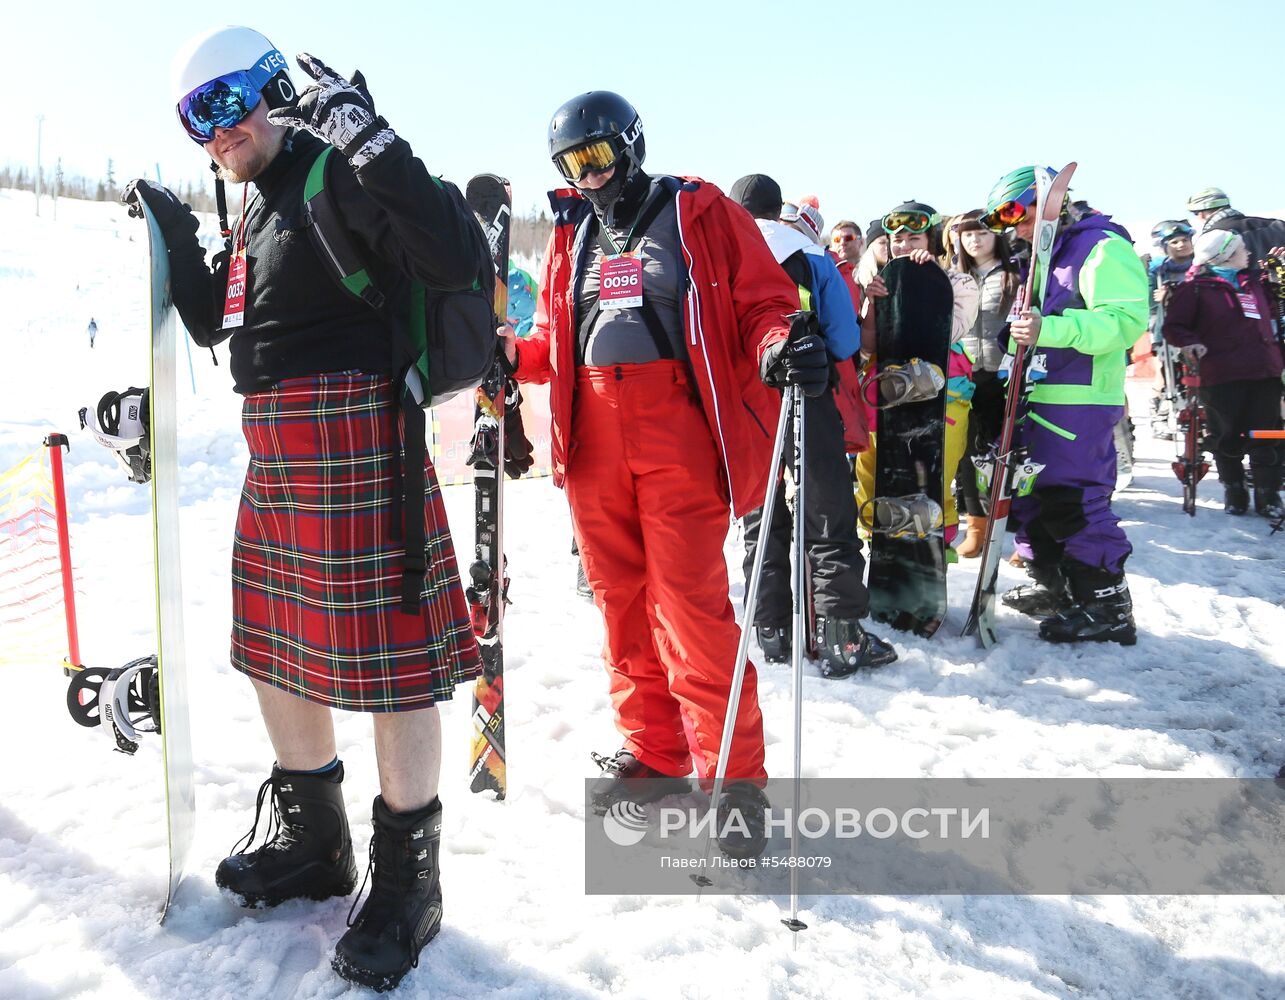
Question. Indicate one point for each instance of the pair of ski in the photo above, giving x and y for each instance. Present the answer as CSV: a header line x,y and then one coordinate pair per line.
x,y
1184,417
1008,464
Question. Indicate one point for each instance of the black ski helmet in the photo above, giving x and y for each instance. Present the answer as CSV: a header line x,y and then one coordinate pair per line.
x,y
598,116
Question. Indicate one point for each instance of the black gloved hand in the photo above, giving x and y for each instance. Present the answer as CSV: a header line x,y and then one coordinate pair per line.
x,y
801,359
337,111
178,223
518,457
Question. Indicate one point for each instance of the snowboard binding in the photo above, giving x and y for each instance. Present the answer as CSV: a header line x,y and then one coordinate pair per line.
x,y
121,423
917,515
914,382
124,702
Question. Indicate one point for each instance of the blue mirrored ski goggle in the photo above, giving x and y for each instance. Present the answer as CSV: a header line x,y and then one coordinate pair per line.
x,y
225,101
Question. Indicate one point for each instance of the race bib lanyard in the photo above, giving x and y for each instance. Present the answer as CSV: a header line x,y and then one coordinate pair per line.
x,y
620,274
234,298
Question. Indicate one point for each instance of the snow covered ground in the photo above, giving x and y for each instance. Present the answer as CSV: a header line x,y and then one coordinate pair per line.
x,y
82,853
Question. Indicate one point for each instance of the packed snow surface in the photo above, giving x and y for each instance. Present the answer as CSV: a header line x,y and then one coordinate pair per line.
x,y
82,838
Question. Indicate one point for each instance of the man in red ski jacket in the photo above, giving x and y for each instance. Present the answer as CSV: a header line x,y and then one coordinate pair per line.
x,y
660,318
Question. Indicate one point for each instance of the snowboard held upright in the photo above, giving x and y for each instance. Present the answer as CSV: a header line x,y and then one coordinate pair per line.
x,y
907,545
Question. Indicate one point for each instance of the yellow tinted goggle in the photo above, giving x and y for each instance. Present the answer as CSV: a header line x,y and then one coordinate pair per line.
x,y
915,222
595,156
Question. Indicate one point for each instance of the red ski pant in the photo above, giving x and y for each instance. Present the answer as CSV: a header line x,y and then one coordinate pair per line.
x,y
651,515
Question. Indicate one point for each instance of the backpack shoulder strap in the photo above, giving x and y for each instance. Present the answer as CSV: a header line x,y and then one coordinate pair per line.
x,y
797,269
331,238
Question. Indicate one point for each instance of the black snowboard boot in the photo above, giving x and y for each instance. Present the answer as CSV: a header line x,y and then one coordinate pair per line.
x,y
1235,498
627,779
844,647
1102,609
308,853
742,820
404,909
1045,597
776,643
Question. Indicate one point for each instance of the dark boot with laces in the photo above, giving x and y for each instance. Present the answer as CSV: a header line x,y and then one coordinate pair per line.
x,y
404,909
308,853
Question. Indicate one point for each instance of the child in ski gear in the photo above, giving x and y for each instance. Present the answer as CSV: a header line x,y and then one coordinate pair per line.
x,y
659,297
1223,314
1094,309
317,612
1173,237
988,258
914,230
839,596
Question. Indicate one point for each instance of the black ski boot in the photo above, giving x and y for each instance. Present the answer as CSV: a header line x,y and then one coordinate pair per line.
x,y
1045,597
1102,612
1267,497
742,820
404,909
844,647
309,857
1235,498
582,583
627,779
776,643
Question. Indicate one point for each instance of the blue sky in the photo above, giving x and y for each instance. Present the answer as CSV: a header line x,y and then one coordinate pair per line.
x,y
864,105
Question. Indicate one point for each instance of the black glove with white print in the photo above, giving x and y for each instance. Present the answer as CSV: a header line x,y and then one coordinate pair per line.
x,y
337,111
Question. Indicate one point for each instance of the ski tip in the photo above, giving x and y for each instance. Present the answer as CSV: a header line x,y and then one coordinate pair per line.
x,y
795,924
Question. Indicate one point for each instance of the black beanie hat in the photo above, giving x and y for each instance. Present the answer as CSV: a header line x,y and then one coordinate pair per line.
x,y
874,230
759,195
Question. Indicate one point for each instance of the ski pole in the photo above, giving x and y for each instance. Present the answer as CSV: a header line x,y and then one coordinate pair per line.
x,y
801,614
751,605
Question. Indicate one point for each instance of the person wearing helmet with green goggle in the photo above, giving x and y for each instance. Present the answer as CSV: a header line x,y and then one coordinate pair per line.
x,y
914,230
1094,309
320,616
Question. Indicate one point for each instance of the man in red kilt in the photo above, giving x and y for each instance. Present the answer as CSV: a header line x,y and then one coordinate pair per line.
x,y
661,315
317,563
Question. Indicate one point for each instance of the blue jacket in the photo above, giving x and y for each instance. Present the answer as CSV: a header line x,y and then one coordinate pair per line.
x,y
831,300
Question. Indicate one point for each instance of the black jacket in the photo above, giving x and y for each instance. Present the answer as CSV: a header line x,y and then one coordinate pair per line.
x,y
1260,234
298,320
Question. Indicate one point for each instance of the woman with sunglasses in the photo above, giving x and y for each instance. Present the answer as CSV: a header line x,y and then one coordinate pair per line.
x,y
988,259
1094,310
662,316
914,230
318,569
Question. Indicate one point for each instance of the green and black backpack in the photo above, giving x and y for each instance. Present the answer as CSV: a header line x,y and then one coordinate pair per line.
x,y
443,344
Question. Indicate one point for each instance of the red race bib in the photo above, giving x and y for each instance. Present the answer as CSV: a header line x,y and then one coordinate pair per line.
x,y
620,284
234,301
1248,305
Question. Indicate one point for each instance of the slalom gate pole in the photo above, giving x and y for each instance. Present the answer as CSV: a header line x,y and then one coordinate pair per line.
x,y
747,624
55,443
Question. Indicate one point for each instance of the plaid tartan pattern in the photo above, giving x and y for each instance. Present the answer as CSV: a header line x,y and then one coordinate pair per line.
x,y
316,563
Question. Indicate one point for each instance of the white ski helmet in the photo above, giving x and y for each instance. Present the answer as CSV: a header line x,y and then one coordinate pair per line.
x,y
221,52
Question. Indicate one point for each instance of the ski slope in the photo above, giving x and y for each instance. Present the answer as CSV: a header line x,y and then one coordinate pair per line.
x,y
82,853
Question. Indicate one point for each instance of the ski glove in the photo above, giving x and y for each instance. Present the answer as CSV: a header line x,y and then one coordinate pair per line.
x,y
338,112
178,224
518,457
801,359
